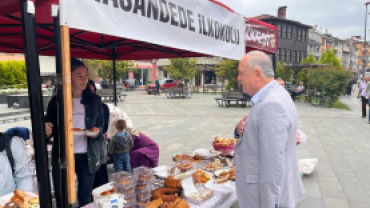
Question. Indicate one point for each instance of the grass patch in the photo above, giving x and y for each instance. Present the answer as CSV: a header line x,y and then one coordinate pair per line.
x,y
340,105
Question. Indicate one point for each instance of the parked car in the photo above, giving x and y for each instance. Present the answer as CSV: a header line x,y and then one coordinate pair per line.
x,y
164,84
131,83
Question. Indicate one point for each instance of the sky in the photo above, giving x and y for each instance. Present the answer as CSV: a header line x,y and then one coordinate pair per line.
x,y
343,18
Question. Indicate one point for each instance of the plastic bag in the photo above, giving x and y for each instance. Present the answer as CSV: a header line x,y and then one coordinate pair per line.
x,y
301,137
307,166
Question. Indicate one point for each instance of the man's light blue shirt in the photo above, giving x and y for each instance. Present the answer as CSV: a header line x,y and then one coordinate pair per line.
x,y
260,92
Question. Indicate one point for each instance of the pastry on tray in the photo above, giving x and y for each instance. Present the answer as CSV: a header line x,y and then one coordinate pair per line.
x,y
222,178
184,167
211,167
200,177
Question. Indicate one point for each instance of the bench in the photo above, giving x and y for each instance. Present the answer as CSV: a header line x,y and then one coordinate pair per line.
x,y
109,95
182,92
228,97
211,87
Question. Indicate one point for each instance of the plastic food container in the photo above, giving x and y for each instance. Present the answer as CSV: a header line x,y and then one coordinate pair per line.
x,y
130,199
143,194
143,186
208,193
142,202
228,150
143,174
125,190
123,179
131,205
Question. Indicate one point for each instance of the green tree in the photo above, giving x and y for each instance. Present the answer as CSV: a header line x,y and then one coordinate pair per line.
x,y
13,73
228,69
182,68
105,68
330,58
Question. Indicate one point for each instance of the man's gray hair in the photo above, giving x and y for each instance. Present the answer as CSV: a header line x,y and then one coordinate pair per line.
x,y
261,60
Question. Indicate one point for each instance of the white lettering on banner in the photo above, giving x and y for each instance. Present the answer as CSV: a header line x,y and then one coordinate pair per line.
x,y
193,25
259,37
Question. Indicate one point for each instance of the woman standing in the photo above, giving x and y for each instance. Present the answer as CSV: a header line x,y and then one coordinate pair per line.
x,y
87,114
101,175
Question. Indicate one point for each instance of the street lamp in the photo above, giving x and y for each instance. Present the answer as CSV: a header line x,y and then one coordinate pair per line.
x,y
364,52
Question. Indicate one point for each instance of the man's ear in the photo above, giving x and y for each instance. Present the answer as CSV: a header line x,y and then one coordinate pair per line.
x,y
258,74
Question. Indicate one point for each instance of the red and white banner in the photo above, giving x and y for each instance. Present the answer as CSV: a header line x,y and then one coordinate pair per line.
x,y
260,35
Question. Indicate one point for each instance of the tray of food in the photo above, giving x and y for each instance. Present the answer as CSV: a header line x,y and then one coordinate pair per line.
x,y
200,196
205,153
200,177
224,145
20,198
123,179
165,170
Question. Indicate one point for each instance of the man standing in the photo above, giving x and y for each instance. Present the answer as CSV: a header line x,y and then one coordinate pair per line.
x,y
362,92
266,162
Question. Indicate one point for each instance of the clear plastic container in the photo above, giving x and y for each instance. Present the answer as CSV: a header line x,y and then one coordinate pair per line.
x,y
123,179
125,190
142,202
207,194
130,205
143,194
142,186
130,198
143,174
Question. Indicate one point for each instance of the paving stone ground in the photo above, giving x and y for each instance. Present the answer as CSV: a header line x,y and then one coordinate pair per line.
x,y
338,138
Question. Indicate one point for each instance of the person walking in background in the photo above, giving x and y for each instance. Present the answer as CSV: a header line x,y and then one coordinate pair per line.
x,y
87,113
157,86
266,161
362,92
120,145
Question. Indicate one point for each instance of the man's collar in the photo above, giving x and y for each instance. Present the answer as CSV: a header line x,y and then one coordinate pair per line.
x,y
260,92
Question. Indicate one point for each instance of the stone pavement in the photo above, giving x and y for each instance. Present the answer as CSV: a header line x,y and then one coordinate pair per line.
x,y
336,137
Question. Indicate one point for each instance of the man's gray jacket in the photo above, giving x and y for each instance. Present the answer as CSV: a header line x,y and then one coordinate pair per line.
x,y
266,160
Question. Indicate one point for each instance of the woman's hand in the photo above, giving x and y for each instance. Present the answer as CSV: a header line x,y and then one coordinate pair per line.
x,y
48,129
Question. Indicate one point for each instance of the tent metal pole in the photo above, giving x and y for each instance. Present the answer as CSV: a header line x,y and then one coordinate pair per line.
x,y
61,164
274,62
114,76
36,104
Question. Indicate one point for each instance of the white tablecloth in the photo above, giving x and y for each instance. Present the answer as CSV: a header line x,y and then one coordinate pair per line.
x,y
217,201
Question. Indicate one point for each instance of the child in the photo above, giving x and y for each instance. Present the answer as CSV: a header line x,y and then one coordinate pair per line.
x,y
120,145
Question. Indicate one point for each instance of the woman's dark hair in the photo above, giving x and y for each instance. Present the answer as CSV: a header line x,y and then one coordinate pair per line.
x,y
92,83
75,63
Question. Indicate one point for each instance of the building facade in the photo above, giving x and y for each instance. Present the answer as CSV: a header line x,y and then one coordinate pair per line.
x,y
292,37
314,43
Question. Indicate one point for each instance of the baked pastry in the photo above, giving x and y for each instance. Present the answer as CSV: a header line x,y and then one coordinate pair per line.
x,y
201,177
155,204
143,194
141,186
232,174
12,205
140,203
184,167
172,182
211,167
223,177
145,176
166,194
109,192
181,203
172,170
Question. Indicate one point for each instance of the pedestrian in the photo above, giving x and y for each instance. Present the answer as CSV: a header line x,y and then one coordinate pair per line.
x,y
15,170
349,87
87,113
297,91
101,175
120,145
362,92
266,162
157,86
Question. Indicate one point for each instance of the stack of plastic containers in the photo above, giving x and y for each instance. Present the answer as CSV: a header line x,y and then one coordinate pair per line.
x,y
144,181
124,183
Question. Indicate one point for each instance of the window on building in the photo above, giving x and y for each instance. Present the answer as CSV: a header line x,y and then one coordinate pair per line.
x,y
283,54
304,33
288,54
279,31
299,34
284,31
295,33
298,56
278,54
289,32
294,55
